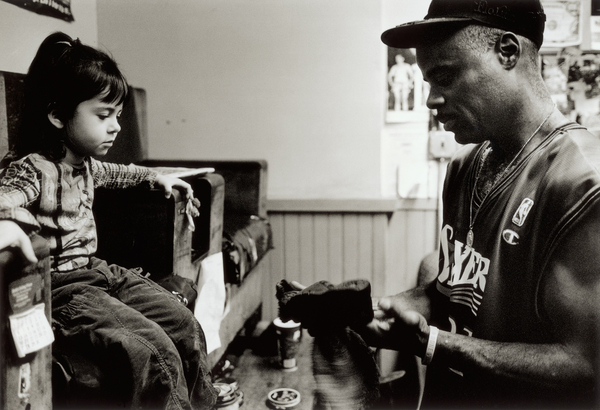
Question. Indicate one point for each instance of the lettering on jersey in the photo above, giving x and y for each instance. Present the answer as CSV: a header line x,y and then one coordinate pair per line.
x,y
464,271
522,212
510,237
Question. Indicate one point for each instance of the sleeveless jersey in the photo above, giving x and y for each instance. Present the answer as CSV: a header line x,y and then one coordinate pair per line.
x,y
490,290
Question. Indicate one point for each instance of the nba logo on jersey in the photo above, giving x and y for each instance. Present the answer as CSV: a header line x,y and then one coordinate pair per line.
x,y
519,216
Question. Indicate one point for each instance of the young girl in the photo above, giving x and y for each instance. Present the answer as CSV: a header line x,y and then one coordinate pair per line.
x,y
149,344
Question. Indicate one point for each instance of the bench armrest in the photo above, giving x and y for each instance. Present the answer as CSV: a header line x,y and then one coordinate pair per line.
x,y
141,228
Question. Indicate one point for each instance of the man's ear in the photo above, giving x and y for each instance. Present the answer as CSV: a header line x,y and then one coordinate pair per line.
x,y
54,119
508,49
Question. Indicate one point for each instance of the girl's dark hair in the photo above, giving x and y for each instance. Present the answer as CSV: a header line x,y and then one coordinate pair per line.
x,y
63,74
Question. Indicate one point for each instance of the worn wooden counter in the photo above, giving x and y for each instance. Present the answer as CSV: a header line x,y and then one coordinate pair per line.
x,y
258,374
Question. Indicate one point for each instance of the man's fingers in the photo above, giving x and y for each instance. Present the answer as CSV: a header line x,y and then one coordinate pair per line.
x,y
297,285
388,306
409,317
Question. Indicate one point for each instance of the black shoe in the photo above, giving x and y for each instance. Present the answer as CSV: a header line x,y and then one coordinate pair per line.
x,y
323,306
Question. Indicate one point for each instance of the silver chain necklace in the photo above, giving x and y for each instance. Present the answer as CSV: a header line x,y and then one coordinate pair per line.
x,y
470,235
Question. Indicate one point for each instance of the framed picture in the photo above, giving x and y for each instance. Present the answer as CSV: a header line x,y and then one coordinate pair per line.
x,y
407,92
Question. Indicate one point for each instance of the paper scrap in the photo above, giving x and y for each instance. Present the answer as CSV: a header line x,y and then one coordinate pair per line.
x,y
210,305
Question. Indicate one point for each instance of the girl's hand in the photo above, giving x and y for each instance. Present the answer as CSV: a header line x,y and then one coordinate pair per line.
x,y
167,183
12,236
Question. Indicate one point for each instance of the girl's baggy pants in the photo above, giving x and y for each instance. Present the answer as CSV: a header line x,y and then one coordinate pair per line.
x,y
148,342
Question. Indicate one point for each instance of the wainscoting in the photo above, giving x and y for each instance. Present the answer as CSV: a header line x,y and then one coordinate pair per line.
x,y
382,241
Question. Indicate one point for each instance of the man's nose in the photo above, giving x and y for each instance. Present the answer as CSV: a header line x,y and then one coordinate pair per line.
x,y
434,99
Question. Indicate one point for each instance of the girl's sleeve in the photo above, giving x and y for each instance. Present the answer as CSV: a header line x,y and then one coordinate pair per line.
x,y
116,176
19,190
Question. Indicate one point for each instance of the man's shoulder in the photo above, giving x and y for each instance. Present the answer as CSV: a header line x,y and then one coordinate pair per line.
x,y
569,167
573,151
580,133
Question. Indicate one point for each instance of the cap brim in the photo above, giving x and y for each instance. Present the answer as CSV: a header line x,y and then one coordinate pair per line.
x,y
410,35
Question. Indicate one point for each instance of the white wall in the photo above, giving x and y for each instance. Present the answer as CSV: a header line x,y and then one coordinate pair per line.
x,y
300,83
22,31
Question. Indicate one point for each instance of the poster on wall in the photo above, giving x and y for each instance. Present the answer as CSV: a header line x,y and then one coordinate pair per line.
x,y
563,23
60,9
407,92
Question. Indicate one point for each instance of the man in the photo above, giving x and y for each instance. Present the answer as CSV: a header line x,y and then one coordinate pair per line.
x,y
517,297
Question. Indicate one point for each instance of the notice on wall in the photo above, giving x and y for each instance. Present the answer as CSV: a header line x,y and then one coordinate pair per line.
x,y
407,171
595,32
60,9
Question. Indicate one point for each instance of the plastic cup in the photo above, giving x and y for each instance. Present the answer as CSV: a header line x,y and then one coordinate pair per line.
x,y
289,335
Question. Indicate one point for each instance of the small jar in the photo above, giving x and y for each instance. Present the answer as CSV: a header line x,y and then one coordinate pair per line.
x,y
228,398
283,398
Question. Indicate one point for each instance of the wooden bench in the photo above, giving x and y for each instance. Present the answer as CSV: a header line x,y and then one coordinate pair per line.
x,y
151,233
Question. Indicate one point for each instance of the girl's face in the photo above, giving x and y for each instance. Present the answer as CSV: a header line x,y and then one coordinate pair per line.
x,y
92,130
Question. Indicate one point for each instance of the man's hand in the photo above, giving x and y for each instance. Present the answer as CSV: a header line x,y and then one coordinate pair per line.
x,y
397,328
297,285
12,236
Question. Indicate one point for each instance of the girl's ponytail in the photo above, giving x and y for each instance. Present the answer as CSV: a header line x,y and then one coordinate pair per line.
x,y
63,73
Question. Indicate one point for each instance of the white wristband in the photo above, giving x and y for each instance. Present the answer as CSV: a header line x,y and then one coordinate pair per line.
x,y
433,334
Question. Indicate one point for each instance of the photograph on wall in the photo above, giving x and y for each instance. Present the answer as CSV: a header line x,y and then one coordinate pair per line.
x,y
60,9
584,89
407,92
573,78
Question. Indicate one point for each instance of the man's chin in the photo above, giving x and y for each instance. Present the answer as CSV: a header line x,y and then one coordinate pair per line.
x,y
464,138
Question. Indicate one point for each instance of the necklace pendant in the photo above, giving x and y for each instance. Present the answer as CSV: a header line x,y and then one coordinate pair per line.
x,y
470,238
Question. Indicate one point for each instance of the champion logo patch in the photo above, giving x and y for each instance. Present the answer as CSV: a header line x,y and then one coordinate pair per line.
x,y
521,214
510,237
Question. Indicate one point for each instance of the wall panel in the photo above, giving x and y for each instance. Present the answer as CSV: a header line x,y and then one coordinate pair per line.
x,y
384,246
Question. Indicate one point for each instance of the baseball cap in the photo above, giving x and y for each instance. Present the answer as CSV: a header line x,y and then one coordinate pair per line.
x,y
523,17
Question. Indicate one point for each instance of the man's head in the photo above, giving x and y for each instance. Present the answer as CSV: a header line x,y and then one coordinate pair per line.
x,y
479,74
522,17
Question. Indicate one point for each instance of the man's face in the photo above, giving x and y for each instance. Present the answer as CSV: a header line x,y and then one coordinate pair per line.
x,y
465,88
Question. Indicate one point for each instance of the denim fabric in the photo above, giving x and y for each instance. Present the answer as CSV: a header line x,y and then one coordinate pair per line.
x,y
150,344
